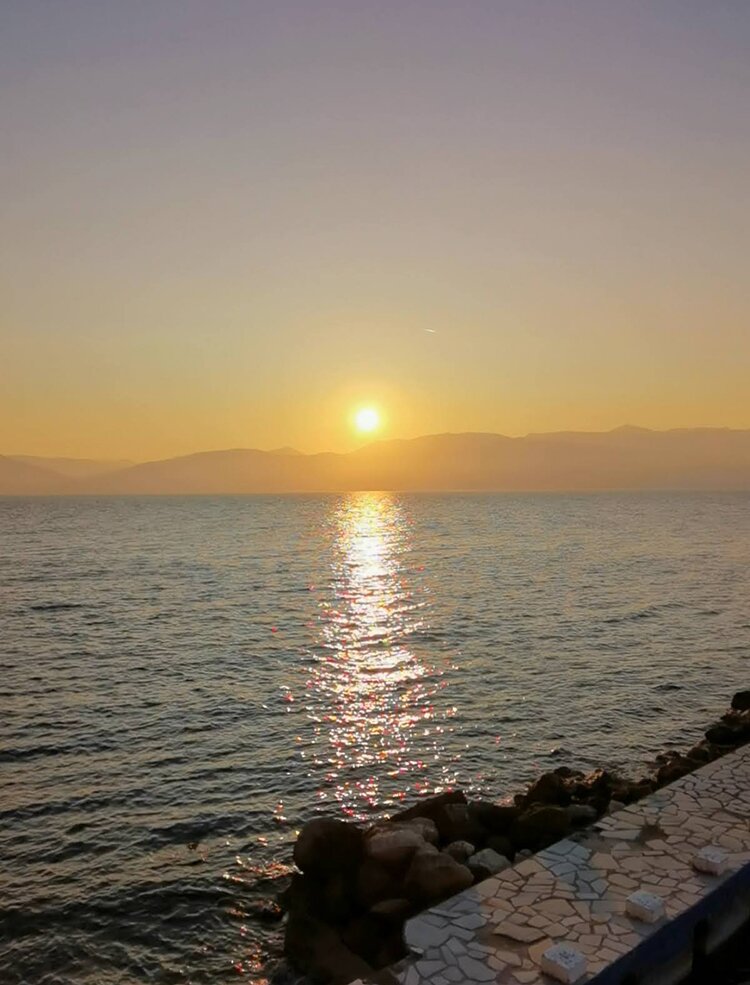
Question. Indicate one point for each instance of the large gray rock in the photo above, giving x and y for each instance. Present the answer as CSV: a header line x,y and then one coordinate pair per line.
x,y
539,827
496,819
426,827
392,910
431,807
581,814
459,850
393,844
487,863
456,822
327,845
375,882
433,877
549,788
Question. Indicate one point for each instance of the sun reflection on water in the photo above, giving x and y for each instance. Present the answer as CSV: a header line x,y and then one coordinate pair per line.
x,y
372,698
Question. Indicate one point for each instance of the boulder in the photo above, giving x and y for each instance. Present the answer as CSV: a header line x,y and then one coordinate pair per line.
x,y
391,950
540,826
392,910
642,788
581,814
426,827
460,850
741,701
327,845
362,935
722,735
434,877
614,806
701,752
393,844
550,788
315,948
338,897
486,863
739,722
495,819
502,845
430,807
456,823
568,774
374,882
671,771
596,784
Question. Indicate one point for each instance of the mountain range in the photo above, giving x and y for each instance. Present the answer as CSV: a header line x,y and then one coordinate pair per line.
x,y
625,458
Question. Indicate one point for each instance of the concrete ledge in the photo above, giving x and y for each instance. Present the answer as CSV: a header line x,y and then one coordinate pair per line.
x,y
575,893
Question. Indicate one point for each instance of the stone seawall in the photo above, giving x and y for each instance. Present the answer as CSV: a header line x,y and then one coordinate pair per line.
x,y
357,886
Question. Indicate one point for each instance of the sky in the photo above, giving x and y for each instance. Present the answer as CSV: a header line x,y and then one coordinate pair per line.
x,y
233,223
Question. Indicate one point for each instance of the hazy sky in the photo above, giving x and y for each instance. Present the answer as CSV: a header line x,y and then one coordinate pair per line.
x,y
229,223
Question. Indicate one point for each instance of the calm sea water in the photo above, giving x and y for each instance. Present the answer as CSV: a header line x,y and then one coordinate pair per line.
x,y
185,680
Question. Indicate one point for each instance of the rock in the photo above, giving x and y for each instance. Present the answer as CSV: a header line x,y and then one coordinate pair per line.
x,y
362,935
614,806
315,948
739,722
434,877
459,850
595,784
567,773
327,845
741,701
392,910
524,854
721,735
392,844
539,827
550,788
701,752
338,897
638,790
374,882
502,845
495,819
430,807
391,950
426,827
455,823
672,771
581,814
486,863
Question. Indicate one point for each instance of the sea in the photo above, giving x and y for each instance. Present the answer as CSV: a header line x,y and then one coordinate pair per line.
x,y
186,680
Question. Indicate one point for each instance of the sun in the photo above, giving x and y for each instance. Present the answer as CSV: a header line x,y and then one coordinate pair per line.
x,y
367,419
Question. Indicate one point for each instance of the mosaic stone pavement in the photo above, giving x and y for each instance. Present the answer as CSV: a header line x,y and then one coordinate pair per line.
x,y
575,891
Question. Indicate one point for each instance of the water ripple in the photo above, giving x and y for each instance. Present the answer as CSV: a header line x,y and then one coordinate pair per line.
x,y
187,679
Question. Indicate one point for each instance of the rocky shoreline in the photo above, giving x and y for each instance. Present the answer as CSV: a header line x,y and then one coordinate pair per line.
x,y
357,885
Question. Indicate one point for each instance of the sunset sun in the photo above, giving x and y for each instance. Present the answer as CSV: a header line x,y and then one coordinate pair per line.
x,y
367,420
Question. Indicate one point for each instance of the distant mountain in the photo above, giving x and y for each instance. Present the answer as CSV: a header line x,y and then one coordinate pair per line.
x,y
19,478
74,467
626,458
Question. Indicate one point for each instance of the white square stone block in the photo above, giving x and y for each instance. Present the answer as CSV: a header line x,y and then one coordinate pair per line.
x,y
563,962
644,906
711,859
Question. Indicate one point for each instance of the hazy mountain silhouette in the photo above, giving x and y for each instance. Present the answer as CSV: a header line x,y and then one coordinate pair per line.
x,y
18,478
74,467
626,458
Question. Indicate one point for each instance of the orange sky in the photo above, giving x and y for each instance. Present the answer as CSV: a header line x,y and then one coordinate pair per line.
x,y
229,225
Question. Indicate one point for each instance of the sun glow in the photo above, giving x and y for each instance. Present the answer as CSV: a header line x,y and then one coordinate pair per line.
x,y
367,419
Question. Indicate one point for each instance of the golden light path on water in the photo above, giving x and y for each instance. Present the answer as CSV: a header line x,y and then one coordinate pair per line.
x,y
372,697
